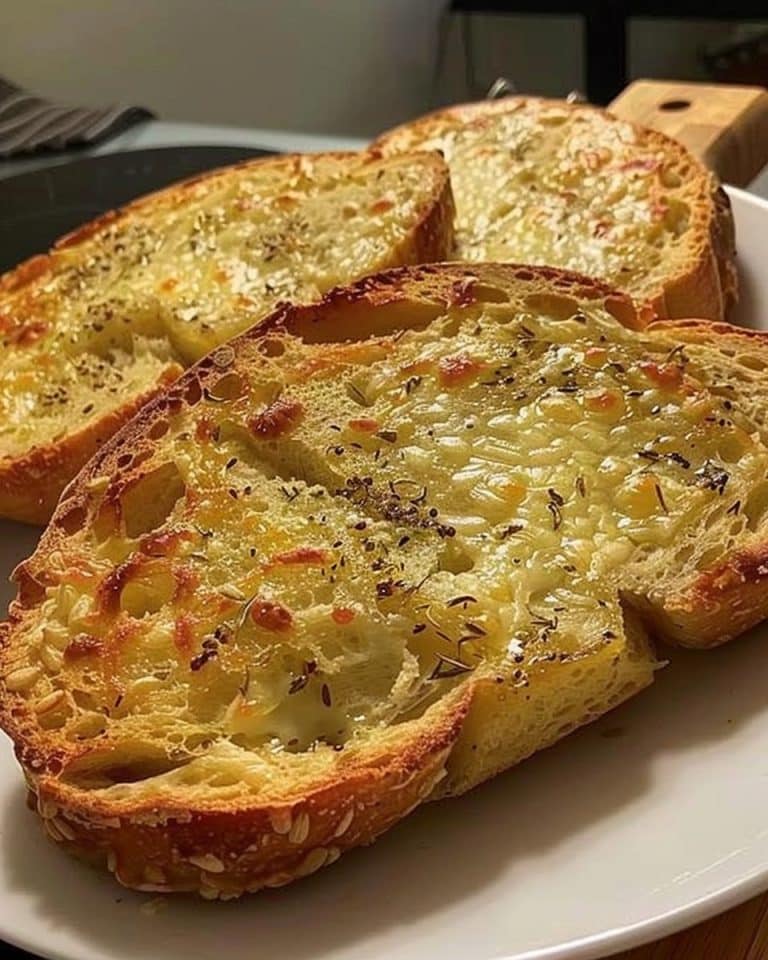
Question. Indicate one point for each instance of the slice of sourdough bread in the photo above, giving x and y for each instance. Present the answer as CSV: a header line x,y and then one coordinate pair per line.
x,y
119,307
544,181
372,552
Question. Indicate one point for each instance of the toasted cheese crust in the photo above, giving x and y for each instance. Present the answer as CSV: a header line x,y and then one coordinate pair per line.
x,y
375,551
120,306
544,181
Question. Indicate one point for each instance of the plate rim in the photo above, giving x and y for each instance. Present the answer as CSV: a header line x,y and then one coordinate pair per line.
x,y
745,196
679,918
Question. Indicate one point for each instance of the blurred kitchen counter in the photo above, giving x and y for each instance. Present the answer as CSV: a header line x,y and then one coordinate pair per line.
x,y
158,133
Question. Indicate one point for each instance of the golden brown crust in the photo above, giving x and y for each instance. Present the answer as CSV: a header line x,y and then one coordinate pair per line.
x,y
229,850
708,287
722,602
702,330
25,273
724,246
433,235
444,285
695,293
427,238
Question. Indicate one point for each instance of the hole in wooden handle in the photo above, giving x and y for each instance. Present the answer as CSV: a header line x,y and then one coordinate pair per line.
x,y
671,105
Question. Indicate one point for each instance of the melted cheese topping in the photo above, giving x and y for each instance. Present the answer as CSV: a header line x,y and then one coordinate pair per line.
x,y
330,539
547,184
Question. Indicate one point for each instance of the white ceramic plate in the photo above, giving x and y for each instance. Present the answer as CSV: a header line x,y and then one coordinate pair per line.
x,y
648,821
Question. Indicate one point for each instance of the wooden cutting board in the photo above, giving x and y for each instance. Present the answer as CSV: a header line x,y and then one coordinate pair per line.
x,y
727,127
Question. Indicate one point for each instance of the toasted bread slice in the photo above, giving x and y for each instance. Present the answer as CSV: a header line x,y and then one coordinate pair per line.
x,y
374,551
725,591
117,309
544,181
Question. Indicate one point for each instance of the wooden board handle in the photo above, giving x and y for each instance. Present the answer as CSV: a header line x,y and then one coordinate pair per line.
x,y
725,126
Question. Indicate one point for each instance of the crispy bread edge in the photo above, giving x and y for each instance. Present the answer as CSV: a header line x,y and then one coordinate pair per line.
x,y
731,596
227,851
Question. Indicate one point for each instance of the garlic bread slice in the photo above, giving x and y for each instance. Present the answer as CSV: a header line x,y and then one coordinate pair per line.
x,y
373,552
569,185
119,307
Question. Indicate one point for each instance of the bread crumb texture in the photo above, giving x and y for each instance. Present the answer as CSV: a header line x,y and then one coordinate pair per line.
x,y
546,182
